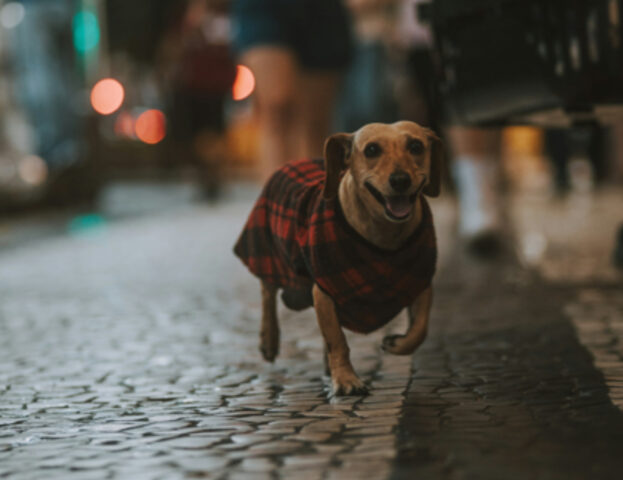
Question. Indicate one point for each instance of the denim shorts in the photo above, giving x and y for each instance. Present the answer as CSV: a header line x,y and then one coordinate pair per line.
x,y
317,31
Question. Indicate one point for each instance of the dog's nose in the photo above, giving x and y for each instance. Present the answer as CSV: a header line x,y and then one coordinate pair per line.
x,y
400,181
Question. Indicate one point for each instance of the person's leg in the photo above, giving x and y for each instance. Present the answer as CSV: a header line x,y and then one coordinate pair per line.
x,y
557,147
322,39
315,100
476,173
276,79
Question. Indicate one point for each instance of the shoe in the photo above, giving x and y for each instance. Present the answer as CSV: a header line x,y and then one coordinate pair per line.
x,y
487,245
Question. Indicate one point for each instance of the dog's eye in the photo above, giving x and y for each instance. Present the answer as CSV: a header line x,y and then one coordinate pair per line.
x,y
372,150
415,147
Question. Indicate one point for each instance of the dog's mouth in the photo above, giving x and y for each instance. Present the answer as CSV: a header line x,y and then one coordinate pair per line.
x,y
397,207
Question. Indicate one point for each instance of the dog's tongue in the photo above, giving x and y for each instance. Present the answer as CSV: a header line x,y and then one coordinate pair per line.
x,y
398,205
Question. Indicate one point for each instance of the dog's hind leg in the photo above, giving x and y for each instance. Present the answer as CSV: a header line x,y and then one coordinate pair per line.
x,y
269,330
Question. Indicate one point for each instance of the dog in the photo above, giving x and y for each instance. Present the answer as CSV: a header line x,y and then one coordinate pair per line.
x,y
351,235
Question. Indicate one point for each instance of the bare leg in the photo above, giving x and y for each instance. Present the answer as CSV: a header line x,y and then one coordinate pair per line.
x,y
419,314
476,169
269,332
276,76
316,98
343,378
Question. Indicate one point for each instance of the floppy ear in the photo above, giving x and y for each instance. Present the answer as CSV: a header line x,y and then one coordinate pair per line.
x,y
433,188
336,151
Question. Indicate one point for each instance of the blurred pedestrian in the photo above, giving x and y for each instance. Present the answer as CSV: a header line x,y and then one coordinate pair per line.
x,y
474,152
417,87
476,171
367,94
297,50
198,75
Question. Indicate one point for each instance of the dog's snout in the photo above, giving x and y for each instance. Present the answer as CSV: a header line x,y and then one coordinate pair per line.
x,y
400,181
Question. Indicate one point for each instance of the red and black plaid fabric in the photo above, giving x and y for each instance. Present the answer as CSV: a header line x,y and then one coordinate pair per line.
x,y
294,237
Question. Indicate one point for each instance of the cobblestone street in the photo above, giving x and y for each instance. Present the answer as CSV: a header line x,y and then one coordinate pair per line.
x,y
130,351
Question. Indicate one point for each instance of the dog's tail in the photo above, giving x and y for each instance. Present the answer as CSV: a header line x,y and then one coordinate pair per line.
x,y
297,299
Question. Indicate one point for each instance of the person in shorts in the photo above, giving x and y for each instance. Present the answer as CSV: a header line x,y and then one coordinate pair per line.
x,y
297,50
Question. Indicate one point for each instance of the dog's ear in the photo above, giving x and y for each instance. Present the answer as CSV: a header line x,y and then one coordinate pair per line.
x,y
337,149
433,188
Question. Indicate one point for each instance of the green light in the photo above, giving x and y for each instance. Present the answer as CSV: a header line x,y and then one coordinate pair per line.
x,y
86,31
88,223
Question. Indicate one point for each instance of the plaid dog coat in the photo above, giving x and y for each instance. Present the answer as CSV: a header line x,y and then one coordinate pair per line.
x,y
294,237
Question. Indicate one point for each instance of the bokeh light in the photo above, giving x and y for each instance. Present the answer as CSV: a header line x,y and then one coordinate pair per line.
x,y
86,31
150,126
88,223
125,125
107,96
244,83
12,14
32,170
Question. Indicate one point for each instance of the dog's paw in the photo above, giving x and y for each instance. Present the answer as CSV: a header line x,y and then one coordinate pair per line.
x,y
269,344
397,345
348,383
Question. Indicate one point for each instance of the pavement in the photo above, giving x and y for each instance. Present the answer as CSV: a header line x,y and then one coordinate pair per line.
x,y
128,349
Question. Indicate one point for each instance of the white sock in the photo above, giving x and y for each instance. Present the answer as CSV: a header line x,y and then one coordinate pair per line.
x,y
477,181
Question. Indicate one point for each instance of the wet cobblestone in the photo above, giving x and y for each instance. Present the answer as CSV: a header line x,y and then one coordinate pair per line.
x,y
131,352
519,377
597,315
128,353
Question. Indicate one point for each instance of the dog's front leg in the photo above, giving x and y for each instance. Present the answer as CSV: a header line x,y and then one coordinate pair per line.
x,y
269,331
419,313
344,380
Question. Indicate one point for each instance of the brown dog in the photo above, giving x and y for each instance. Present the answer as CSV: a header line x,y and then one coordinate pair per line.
x,y
354,239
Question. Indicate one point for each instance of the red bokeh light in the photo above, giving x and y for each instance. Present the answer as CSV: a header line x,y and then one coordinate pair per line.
x,y
244,83
107,96
150,126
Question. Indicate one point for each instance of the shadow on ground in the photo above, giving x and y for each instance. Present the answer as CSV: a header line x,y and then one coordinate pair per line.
x,y
503,388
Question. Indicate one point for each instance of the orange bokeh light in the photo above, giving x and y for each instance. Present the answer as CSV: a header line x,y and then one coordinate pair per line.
x,y
107,96
244,83
151,127
125,125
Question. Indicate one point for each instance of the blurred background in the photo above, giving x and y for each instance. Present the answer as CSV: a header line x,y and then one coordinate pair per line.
x,y
97,91
110,108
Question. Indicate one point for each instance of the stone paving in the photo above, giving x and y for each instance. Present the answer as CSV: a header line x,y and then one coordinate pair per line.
x,y
130,351
503,389
506,386
597,315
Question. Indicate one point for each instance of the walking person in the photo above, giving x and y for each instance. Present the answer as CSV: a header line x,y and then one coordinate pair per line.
x,y
297,50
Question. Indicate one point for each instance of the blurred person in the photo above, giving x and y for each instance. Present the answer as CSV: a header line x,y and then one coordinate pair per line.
x,y
474,151
367,94
417,87
198,76
297,50
476,172
587,141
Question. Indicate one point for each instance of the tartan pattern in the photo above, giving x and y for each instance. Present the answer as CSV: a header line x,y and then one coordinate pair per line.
x,y
294,237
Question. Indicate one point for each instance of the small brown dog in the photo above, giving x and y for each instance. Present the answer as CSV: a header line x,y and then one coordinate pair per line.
x,y
354,238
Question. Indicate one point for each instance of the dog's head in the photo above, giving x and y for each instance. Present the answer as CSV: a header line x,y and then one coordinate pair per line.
x,y
391,164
